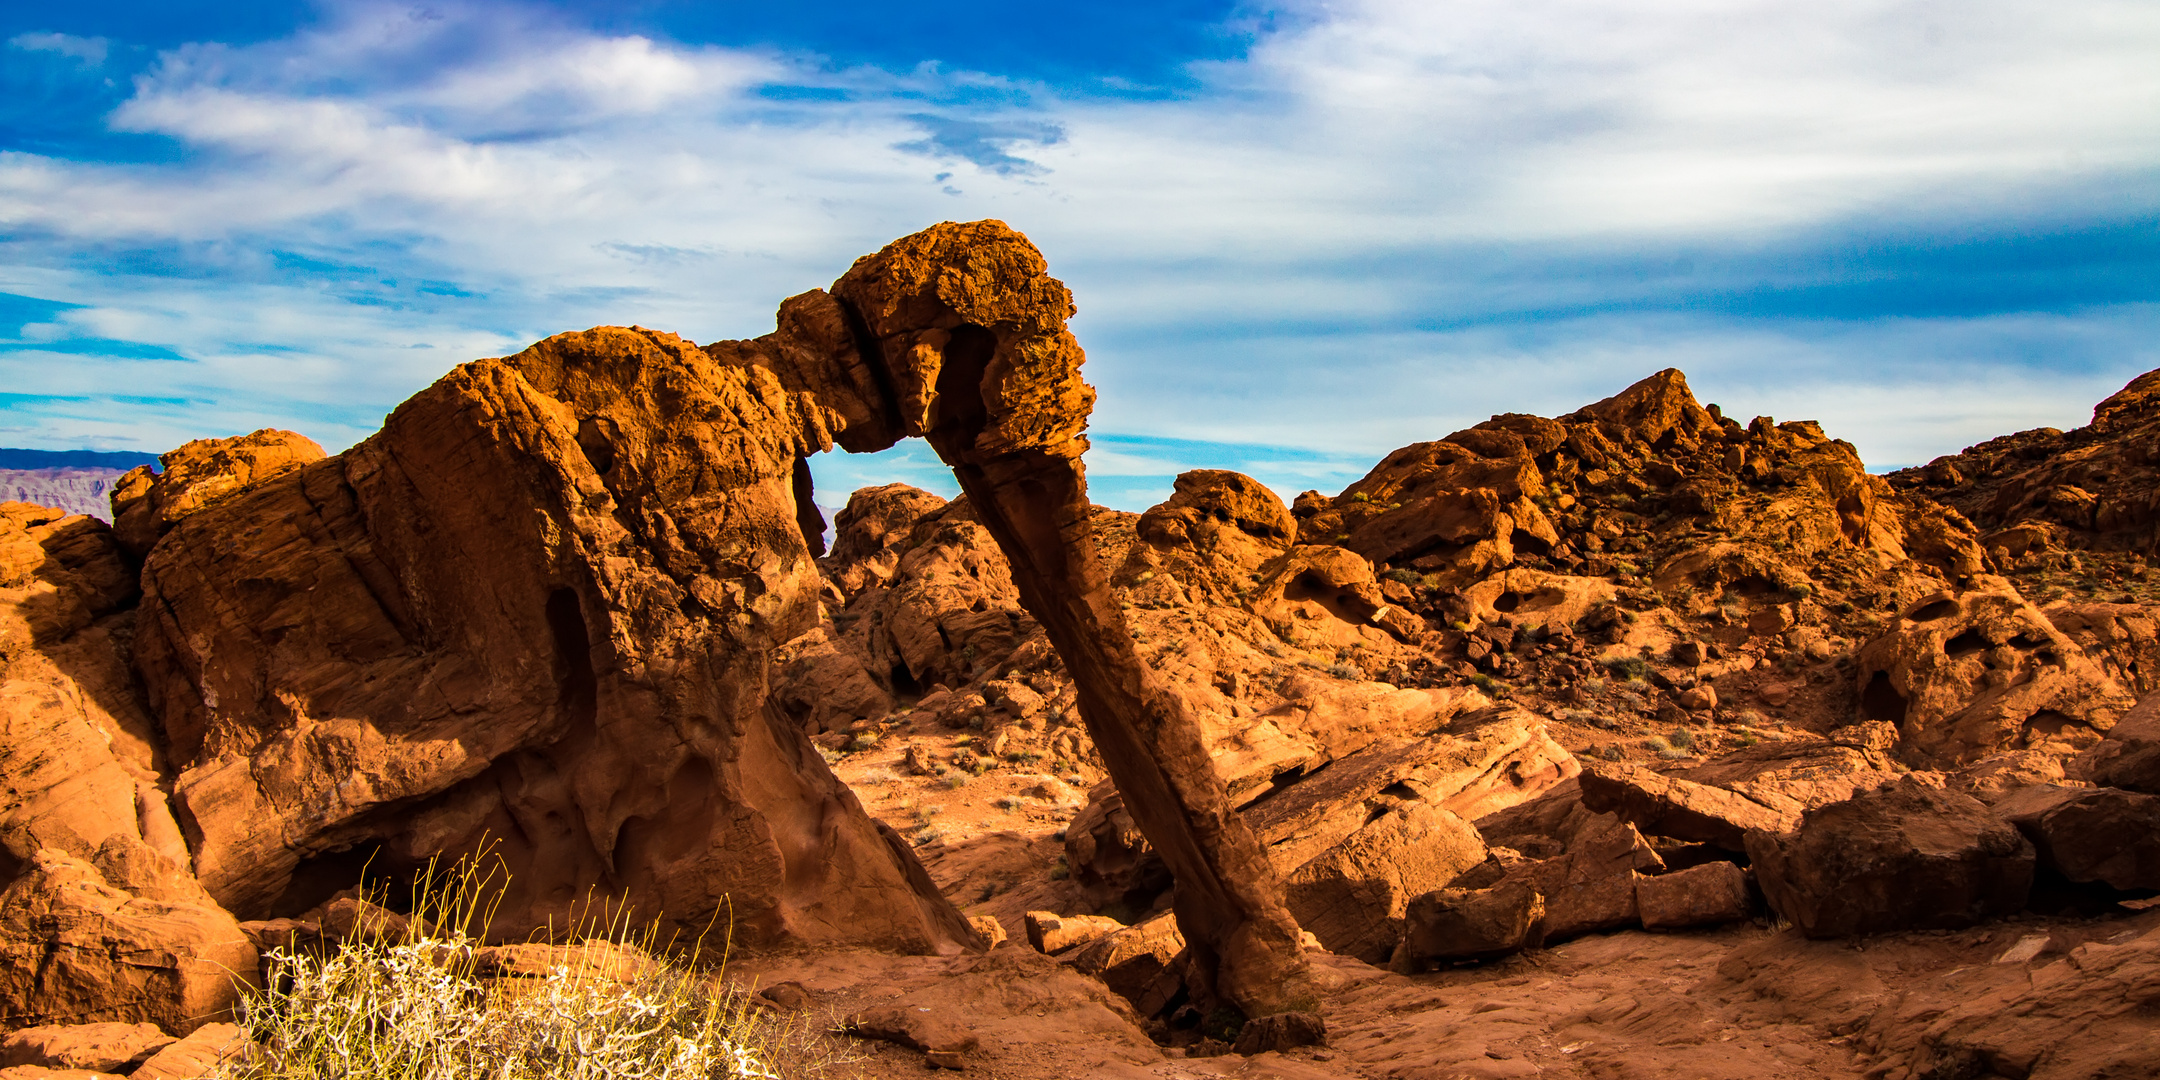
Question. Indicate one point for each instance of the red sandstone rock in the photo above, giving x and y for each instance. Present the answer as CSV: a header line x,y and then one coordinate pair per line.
x,y
75,949
1966,675
1680,808
2129,757
2084,1015
1449,925
1128,960
1050,932
2091,834
1908,855
587,688
102,1048
147,504
1352,897
196,1057
78,753
1705,895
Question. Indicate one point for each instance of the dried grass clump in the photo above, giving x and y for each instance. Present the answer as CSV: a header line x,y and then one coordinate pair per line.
x,y
413,1003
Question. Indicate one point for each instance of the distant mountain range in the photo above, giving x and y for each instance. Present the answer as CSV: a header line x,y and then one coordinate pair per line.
x,y
78,481
118,461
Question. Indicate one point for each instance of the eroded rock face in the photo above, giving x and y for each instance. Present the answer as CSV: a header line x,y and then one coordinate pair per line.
x,y
75,949
80,758
1902,857
146,504
1965,675
1465,507
2130,755
536,608
2087,488
1353,896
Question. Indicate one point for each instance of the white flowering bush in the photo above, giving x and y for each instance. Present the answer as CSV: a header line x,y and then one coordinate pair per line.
x,y
417,1004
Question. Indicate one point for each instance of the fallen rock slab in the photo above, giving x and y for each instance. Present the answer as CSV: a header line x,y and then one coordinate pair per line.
x,y
1280,1031
1129,959
2091,834
107,1047
1352,897
1449,925
1706,895
1050,932
197,1056
1662,805
1909,856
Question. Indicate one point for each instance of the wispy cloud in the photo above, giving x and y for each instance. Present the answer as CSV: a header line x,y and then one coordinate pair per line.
x,y
90,50
1384,221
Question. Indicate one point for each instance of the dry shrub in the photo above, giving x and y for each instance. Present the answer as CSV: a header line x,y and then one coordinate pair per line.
x,y
411,1002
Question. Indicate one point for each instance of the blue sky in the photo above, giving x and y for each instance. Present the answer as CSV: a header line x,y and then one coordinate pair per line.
x,y
1300,235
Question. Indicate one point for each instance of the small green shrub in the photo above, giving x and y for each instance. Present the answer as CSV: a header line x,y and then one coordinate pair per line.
x,y
1632,669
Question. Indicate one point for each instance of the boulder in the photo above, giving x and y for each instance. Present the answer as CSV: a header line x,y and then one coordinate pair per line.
x,y
147,504
824,686
1280,1031
1450,925
101,1048
2091,834
196,1057
1050,932
358,660
1591,887
2129,757
948,613
1705,895
1130,959
74,949
1352,897
871,533
1682,809
1907,856
1966,675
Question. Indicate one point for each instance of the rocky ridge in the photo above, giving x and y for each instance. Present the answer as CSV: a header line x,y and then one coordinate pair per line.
x,y
1520,729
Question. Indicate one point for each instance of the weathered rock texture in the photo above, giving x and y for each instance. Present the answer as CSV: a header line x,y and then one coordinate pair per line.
x,y
146,504
1904,856
1965,675
2091,488
971,334
539,607
74,950
535,609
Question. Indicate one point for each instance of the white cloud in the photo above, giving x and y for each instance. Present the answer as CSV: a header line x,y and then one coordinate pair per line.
x,y
90,50
1251,259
